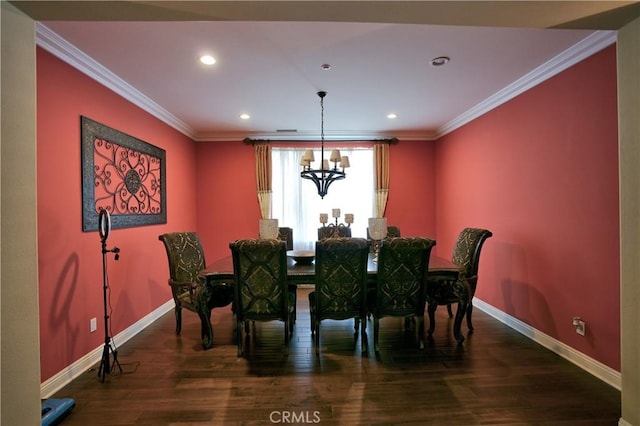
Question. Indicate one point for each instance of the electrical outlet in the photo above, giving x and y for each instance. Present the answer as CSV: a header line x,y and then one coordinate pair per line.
x,y
579,325
93,325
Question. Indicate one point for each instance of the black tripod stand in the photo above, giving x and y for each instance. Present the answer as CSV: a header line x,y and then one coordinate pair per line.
x,y
104,227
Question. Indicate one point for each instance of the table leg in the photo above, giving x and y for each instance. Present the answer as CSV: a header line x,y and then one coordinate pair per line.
x,y
214,294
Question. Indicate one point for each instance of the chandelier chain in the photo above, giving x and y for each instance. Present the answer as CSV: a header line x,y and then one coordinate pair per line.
x,y
325,175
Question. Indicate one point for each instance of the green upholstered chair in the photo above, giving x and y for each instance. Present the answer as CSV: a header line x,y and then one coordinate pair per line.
x,y
340,284
446,290
261,290
466,253
286,234
403,265
186,260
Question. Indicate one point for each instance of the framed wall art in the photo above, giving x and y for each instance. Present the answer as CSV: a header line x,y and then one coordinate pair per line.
x,y
122,174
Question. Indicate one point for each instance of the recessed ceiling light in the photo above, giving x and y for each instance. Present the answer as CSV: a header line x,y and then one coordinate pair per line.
x,y
391,116
245,116
439,61
325,67
207,59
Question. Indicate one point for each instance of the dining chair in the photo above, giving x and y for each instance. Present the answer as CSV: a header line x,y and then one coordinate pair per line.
x,y
286,234
403,264
340,285
186,260
466,253
329,232
261,290
447,289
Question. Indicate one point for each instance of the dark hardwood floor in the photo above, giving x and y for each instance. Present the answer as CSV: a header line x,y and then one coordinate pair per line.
x,y
496,377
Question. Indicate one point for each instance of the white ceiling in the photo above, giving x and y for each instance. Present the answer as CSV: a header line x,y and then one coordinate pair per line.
x,y
272,71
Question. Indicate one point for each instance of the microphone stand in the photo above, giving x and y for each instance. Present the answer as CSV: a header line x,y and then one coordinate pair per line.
x,y
105,366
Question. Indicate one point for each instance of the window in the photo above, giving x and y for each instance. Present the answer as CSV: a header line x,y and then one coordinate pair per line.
x,y
296,203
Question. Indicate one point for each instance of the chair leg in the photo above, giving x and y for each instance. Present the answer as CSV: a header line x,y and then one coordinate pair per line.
x,y
376,329
317,336
178,312
356,325
421,331
409,322
473,282
363,337
460,312
294,289
239,336
469,311
286,332
449,310
313,323
431,309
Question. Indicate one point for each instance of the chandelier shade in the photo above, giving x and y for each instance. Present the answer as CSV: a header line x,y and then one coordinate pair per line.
x,y
324,176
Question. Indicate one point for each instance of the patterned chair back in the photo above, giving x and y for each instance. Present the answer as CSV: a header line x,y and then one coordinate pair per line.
x,y
402,267
286,234
186,260
260,270
466,252
185,254
341,278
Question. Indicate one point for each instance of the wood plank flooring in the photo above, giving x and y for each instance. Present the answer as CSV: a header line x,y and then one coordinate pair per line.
x,y
497,377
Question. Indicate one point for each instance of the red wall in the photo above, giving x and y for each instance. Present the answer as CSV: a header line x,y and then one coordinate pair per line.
x,y
227,204
541,172
411,203
70,261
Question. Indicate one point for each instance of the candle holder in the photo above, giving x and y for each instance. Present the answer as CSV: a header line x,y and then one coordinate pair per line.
x,y
268,229
335,213
378,232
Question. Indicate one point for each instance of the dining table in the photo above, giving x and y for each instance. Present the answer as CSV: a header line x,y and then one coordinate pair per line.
x,y
220,273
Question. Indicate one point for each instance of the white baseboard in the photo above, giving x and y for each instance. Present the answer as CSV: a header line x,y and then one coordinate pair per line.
x,y
64,377
590,365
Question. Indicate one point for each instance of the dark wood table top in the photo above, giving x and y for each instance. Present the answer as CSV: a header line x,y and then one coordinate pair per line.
x,y
222,269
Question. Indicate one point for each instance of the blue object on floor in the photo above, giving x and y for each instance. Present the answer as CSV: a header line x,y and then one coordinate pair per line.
x,y
54,410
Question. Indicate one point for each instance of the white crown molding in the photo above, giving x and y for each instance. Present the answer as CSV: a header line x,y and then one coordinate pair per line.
x,y
588,46
59,47
56,45
590,365
312,136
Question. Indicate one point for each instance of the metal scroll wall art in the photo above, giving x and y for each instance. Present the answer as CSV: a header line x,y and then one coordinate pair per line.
x,y
123,175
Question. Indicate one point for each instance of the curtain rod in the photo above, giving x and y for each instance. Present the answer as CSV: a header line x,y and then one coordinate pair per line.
x,y
251,141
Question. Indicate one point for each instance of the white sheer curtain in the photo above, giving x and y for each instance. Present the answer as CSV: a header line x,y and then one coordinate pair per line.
x,y
296,203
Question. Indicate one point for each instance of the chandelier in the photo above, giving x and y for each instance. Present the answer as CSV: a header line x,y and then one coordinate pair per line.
x,y
324,176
